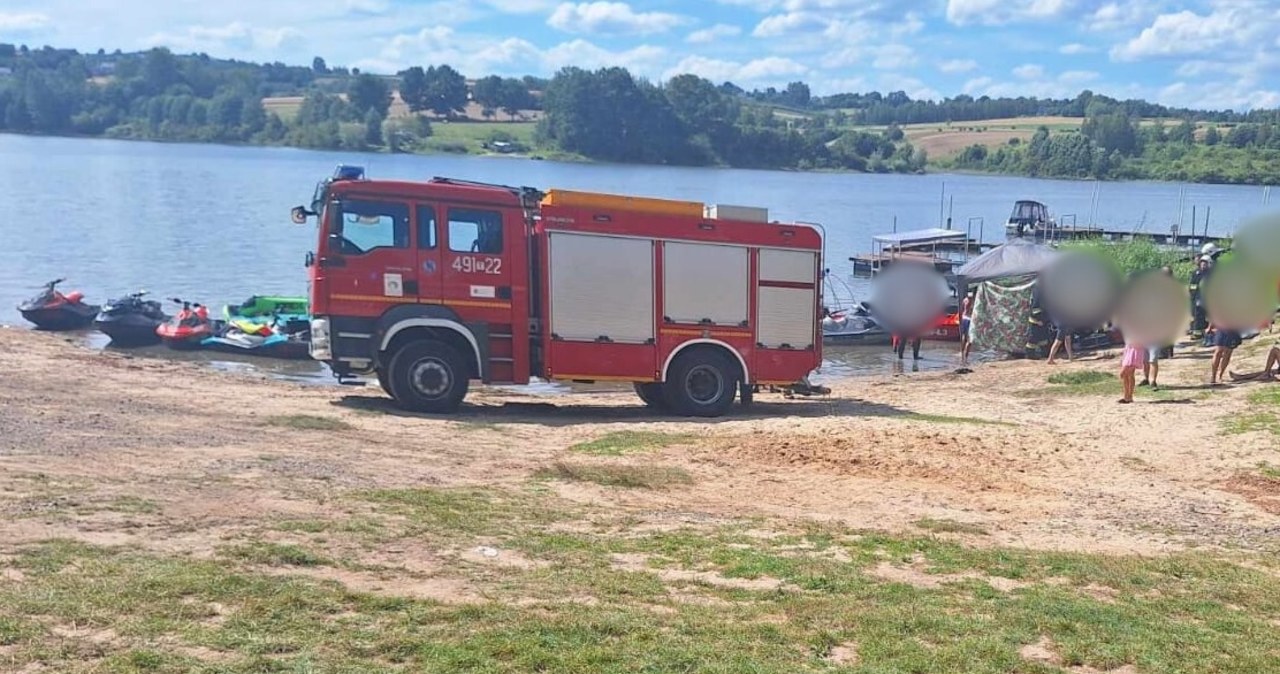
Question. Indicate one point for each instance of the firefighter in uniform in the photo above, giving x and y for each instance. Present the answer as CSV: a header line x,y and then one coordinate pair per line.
x,y
1199,318
1038,330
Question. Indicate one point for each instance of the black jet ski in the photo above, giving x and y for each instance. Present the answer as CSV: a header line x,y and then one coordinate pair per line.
x,y
131,320
52,310
853,327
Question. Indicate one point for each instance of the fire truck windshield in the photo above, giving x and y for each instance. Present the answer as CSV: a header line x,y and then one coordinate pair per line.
x,y
356,227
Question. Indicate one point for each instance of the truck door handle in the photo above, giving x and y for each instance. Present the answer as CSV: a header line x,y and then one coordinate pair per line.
x,y
411,287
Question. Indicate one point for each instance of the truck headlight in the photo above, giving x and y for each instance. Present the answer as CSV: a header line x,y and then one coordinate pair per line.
x,y
321,346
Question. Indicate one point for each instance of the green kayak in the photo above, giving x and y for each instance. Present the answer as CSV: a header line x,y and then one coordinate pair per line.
x,y
267,306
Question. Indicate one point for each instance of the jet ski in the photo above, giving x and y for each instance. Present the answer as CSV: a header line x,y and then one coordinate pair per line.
x,y
282,338
853,327
52,310
131,320
189,327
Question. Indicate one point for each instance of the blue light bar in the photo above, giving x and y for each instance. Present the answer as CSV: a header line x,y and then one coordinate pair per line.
x,y
346,172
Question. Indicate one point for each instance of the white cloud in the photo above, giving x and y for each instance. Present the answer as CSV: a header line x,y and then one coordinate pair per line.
x,y
1029,71
368,6
998,12
712,34
957,66
770,70
894,57
1075,48
642,61
1115,16
1233,24
913,87
233,36
21,22
789,24
611,18
478,55
521,6
843,58
1065,85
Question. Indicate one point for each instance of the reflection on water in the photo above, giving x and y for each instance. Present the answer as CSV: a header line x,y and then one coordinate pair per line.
x,y
842,362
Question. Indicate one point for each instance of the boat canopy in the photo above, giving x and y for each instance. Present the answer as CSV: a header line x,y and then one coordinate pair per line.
x,y
919,236
1018,257
1029,211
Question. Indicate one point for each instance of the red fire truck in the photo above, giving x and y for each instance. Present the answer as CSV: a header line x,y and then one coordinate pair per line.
x,y
433,284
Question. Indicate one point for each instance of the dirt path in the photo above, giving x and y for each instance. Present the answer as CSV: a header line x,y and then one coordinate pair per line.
x,y
178,458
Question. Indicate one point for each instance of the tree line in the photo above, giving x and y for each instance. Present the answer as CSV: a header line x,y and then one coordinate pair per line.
x,y
607,114
1113,145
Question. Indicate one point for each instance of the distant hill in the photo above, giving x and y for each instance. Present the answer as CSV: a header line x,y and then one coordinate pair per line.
x,y
609,115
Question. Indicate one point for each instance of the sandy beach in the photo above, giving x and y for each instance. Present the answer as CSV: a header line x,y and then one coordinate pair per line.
x,y
173,460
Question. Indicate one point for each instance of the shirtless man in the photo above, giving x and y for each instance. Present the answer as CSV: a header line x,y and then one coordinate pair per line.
x,y
1268,373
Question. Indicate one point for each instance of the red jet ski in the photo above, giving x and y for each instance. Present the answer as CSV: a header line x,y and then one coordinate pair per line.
x,y
189,327
51,310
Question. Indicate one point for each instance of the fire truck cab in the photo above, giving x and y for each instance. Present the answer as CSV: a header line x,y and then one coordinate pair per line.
x,y
431,285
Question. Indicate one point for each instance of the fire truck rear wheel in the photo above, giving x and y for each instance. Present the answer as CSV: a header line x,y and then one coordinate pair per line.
x,y
651,394
428,376
701,383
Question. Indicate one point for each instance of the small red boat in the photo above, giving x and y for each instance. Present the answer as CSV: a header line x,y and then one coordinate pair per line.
x,y
188,328
946,329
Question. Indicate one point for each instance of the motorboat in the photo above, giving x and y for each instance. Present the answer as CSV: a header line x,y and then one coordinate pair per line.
x,y
1029,219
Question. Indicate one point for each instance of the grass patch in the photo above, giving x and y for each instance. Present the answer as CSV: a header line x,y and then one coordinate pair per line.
x,y
1269,396
469,137
643,477
307,422
947,526
1080,378
1079,383
1193,613
1269,471
947,419
1251,422
627,442
133,505
275,554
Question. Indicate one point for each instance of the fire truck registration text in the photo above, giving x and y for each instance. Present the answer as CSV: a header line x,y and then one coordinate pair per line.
x,y
477,265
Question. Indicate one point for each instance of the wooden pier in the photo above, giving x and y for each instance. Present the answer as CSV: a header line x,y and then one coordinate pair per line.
x,y
1171,238
868,264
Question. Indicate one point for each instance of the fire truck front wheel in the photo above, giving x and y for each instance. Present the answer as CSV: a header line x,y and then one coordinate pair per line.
x,y
428,376
701,383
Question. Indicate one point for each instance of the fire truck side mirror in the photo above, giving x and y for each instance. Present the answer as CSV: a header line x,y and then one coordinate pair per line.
x,y
299,215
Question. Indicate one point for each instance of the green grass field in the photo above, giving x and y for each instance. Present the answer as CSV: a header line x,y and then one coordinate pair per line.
x,y
581,592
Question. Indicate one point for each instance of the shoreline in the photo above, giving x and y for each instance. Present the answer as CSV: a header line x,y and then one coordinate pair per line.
x,y
567,158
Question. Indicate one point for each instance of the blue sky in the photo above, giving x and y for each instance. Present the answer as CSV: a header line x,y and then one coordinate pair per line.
x,y
1199,53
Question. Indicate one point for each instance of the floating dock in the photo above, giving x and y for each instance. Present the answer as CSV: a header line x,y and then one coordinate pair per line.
x,y
1170,238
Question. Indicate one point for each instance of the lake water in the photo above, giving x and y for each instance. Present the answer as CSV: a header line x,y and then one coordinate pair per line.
x,y
211,223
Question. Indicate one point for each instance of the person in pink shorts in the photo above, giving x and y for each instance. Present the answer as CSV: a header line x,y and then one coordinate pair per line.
x,y
1135,356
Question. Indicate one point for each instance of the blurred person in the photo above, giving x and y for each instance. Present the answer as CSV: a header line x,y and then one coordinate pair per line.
x,y
900,346
1155,354
1225,341
966,323
1135,356
1269,373
1061,337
